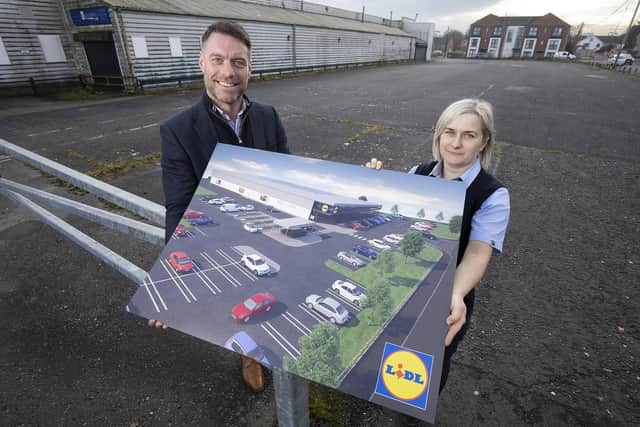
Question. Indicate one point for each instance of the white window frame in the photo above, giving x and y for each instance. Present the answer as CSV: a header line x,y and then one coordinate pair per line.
x,y
525,50
548,52
495,50
175,45
52,48
4,56
139,44
471,48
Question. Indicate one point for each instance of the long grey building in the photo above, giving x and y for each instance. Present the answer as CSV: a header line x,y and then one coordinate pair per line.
x,y
153,40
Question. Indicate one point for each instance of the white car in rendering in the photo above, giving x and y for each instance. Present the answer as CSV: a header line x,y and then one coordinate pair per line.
x,y
256,264
348,258
229,207
328,307
378,244
419,227
251,227
349,291
246,208
391,239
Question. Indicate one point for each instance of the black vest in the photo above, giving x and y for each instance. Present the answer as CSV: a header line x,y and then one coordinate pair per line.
x,y
480,189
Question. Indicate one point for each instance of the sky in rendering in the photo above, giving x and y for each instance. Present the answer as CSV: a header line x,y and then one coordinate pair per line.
x,y
599,16
411,193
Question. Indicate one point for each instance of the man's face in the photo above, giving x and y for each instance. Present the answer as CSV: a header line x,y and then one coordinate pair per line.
x,y
224,61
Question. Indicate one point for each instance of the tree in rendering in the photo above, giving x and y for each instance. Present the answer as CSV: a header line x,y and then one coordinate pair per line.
x,y
411,245
440,216
363,198
379,301
421,213
455,224
394,209
319,355
386,263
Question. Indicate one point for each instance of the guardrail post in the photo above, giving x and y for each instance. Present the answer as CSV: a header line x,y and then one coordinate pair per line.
x,y
292,399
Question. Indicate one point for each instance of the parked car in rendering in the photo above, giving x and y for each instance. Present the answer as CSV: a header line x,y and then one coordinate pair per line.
x,y
355,225
365,251
328,307
190,213
201,220
180,231
243,343
180,261
428,235
206,198
623,59
419,227
256,264
347,258
246,208
563,54
229,207
396,236
349,291
390,239
257,304
251,227
216,202
379,244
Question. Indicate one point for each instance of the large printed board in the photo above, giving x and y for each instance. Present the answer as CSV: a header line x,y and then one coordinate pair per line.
x,y
338,273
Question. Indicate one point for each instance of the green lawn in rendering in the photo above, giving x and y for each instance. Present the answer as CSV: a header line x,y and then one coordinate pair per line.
x,y
203,191
407,273
442,232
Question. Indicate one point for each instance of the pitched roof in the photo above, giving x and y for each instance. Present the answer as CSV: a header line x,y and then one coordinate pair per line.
x,y
520,20
238,10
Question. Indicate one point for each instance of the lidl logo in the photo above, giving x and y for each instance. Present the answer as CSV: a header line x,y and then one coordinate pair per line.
x,y
404,375
325,208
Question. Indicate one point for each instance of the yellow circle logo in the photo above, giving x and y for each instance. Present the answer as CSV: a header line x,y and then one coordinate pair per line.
x,y
405,376
325,208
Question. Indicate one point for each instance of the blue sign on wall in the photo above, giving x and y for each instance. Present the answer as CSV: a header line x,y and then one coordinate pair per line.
x,y
91,16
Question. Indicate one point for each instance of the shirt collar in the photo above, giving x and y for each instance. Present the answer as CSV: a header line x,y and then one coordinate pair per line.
x,y
225,115
467,176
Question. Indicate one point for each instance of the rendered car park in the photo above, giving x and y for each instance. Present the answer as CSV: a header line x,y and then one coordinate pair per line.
x,y
379,244
349,291
201,220
256,264
180,262
243,343
347,258
365,251
190,213
251,227
250,307
328,307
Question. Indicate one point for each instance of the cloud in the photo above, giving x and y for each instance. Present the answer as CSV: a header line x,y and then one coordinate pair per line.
x,y
252,167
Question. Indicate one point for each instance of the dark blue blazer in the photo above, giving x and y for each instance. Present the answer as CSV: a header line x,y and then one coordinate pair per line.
x,y
188,139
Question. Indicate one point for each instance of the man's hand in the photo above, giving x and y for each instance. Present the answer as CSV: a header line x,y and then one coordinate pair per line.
x,y
456,319
157,324
374,164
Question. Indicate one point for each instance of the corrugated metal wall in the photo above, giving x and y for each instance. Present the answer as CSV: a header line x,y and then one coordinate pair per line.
x,y
318,8
20,24
273,45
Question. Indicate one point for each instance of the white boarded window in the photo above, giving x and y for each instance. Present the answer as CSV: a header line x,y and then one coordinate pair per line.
x,y
139,47
176,46
52,48
4,57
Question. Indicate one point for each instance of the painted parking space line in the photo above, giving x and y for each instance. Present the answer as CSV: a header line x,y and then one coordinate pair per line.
x,y
236,264
198,230
296,323
343,300
175,279
206,280
313,314
146,287
220,269
281,340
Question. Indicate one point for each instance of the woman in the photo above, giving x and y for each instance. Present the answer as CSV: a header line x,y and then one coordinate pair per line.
x,y
462,147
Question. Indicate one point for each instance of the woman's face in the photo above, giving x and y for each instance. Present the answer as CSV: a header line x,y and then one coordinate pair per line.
x,y
461,142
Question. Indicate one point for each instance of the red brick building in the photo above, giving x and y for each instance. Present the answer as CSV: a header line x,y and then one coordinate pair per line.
x,y
517,36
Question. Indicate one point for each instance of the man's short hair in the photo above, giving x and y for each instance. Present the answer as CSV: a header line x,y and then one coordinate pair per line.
x,y
229,28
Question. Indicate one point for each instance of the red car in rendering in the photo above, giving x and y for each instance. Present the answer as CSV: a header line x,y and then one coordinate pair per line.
x,y
192,214
180,231
258,303
180,262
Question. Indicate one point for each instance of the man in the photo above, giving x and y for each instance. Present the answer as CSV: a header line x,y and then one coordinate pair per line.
x,y
223,115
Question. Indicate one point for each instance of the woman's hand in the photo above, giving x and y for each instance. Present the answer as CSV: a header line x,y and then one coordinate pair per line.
x,y
457,317
374,164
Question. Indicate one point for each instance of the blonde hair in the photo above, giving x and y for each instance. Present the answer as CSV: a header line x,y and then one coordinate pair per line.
x,y
479,107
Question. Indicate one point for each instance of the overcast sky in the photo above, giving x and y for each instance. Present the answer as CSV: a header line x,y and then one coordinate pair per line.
x,y
598,15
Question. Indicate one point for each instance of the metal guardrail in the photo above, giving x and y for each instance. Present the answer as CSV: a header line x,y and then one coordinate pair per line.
x,y
292,395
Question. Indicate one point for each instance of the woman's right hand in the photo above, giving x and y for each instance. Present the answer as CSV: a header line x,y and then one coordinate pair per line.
x,y
374,164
